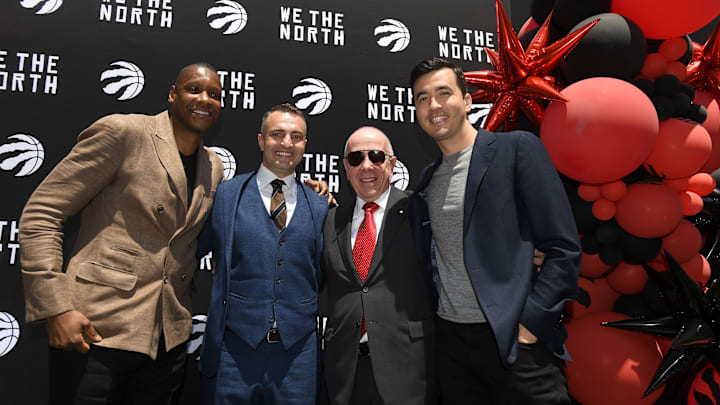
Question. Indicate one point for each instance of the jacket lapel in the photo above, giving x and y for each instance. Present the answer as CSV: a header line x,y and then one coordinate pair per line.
x,y
482,155
395,212
202,186
169,156
343,230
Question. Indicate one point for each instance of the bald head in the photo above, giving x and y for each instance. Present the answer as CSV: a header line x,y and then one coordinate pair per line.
x,y
369,132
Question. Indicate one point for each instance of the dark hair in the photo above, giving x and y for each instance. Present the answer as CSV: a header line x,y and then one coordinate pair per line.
x,y
434,63
196,65
286,108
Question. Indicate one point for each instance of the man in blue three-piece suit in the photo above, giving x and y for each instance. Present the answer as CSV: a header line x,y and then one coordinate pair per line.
x,y
265,230
487,202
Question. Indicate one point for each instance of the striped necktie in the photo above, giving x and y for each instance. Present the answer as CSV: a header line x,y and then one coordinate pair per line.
x,y
278,213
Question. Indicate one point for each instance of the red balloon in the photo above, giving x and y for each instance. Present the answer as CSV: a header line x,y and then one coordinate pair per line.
x,y
528,26
628,279
712,124
682,148
603,209
591,266
676,69
662,19
649,210
692,203
698,269
602,298
704,385
654,66
610,366
613,191
673,48
701,184
684,242
680,184
604,132
589,192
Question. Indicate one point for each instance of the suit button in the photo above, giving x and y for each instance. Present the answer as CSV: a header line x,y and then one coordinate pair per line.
x,y
371,322
165,279
224,302
183,277
160,209
365,289
172,243
272,319
277,280
277,300
357,324
280,261
281,242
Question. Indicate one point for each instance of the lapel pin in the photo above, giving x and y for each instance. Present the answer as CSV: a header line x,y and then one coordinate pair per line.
x,y
401,211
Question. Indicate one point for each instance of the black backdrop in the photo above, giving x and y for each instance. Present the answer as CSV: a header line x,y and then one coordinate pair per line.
x,y
64,65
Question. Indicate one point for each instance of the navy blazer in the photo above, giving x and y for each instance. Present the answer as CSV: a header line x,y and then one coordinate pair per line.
x,y
218,236
514,202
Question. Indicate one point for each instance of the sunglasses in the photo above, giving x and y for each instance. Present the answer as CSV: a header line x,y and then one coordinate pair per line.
x,y
375,156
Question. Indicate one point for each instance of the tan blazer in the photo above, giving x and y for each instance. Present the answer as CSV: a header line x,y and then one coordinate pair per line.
x,y
132,267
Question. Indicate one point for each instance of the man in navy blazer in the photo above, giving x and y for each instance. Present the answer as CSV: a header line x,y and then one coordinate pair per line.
x,y
261,342
478,212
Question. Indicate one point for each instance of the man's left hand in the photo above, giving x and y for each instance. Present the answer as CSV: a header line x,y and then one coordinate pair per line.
x,y
525,336
322,188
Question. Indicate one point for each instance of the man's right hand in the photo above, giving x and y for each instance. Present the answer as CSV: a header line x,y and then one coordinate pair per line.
x,y
65,331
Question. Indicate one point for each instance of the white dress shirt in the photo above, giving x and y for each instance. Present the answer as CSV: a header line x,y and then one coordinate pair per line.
x,y
264,178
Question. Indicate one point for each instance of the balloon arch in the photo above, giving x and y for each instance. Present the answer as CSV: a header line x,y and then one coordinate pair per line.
x,y
627,106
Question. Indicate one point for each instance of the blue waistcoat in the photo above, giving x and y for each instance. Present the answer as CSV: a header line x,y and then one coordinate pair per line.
x,y
273,276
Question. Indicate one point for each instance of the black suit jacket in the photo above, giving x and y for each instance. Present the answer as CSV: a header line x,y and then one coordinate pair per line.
x,y
398,310
514,202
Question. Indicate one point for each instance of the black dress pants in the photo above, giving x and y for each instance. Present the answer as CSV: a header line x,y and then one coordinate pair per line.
x,y
113,376
471,372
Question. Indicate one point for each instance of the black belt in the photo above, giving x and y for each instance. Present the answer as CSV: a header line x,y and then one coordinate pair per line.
x,y
364,349
273,336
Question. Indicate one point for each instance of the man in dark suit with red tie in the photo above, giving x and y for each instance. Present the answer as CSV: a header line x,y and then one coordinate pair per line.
x,y
379,336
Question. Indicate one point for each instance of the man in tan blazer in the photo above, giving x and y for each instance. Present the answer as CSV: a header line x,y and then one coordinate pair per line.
x,y
143,186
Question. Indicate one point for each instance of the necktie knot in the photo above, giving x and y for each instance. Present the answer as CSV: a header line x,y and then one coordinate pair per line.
x,y
277,185
370,207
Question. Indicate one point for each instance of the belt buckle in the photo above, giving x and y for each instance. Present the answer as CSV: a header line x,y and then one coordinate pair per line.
x,y
272,336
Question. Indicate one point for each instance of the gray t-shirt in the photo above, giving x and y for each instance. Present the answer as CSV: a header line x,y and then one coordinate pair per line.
x,y
446,195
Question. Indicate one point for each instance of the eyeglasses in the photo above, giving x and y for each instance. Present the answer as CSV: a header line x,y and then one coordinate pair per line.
x,y
375,156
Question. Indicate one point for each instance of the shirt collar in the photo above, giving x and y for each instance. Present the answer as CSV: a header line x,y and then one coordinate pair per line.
x,y
380,201
265,176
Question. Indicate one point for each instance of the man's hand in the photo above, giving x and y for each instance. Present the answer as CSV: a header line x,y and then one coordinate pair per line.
x,y
525,336
538,258
322,188
65,331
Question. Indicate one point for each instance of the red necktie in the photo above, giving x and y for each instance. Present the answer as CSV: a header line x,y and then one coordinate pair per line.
x,y
365,246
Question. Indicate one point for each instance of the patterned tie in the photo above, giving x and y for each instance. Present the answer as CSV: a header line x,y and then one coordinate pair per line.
x,y
277,205
365,246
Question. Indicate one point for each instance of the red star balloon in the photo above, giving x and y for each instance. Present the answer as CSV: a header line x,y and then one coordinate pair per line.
x,y
520,78
703,71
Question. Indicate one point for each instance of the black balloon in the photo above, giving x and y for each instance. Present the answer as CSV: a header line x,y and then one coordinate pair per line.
x,y
568,13
610,254
646,85
667,85
608,233
638,250
664,107
615,47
